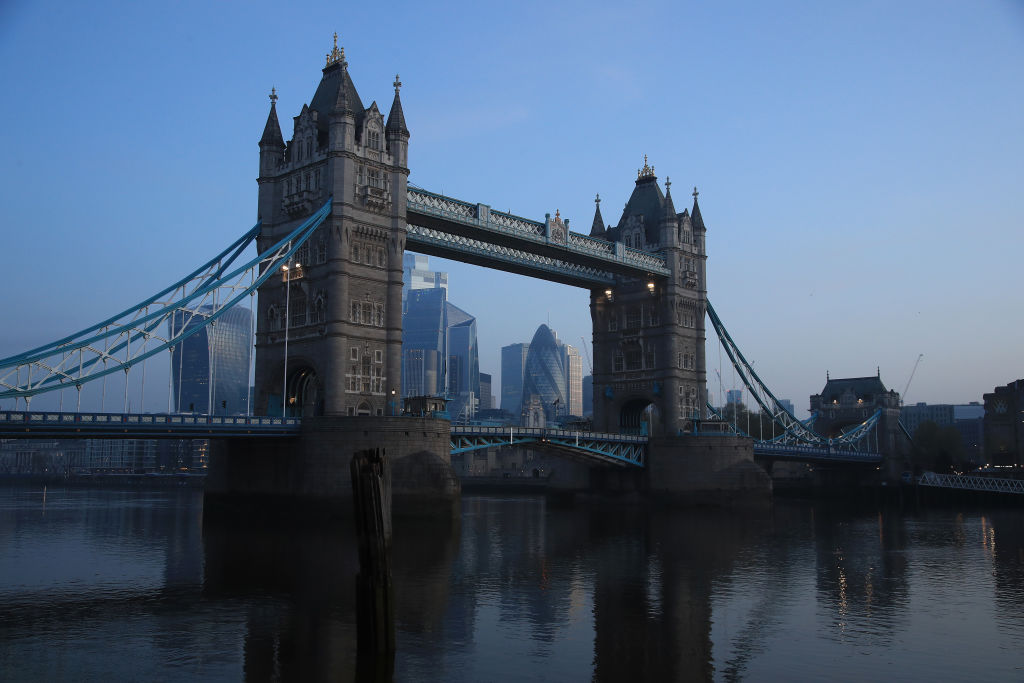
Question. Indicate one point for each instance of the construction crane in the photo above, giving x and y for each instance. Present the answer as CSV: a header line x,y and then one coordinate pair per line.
x,y
903,396
587,354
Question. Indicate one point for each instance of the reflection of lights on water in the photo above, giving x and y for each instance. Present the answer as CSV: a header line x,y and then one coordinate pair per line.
x,y
988,537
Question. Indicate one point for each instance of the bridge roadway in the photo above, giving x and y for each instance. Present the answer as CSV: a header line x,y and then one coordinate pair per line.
x,y
628,450
813,454
56,425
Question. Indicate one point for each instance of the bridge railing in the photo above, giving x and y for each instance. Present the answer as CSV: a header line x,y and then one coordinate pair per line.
x,y
543,432
121,420
814,452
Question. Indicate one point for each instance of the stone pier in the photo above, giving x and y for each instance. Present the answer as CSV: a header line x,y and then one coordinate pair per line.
x,y
313,468
706,470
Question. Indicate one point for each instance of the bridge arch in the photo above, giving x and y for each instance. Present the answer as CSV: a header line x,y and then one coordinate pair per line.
x,y
639,416
305,393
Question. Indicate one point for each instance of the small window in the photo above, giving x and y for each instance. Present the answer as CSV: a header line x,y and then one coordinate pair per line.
x,y
378,356
355,252
617,362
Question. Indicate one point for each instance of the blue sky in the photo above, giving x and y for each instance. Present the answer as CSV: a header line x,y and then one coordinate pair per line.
x,y
859,163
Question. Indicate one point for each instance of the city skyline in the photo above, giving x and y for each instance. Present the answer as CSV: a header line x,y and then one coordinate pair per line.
x,y
857,166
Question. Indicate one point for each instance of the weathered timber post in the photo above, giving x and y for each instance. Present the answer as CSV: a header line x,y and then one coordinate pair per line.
x,y
371,494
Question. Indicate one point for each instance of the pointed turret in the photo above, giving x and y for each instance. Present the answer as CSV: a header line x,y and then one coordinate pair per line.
x,y
669,209
396,119
272,142
395,131
272,131
698,222
669,229
597,229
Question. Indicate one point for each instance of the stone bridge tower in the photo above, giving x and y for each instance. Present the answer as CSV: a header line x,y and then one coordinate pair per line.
x,y
848,401
649,334
338,307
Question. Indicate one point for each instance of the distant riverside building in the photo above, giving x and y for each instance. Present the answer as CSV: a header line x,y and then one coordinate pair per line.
x,y
486,402
787,404
68,457
734,396
463,364
513,366
417,275
968,419
573,381
1003,435
221,351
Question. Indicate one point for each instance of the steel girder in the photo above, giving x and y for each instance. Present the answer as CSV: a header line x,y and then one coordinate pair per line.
x,y
971,483
487,254
483,228
613,449
803,453
135,334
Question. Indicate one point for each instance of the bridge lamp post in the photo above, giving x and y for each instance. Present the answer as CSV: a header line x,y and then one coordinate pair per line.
x,y
650,286
287,301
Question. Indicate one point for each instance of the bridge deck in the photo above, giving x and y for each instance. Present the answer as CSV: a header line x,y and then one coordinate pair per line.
x,y
777,451
626,450
48,424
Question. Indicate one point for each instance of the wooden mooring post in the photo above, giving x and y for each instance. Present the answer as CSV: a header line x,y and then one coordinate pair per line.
x,y
371,493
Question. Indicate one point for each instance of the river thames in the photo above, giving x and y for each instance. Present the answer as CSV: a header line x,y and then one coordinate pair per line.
x,y
103,585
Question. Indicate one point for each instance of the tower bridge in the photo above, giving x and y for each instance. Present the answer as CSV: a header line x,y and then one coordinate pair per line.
x,y
336,213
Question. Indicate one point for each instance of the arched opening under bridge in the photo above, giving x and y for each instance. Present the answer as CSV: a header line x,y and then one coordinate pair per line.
x,y
639,416
305,399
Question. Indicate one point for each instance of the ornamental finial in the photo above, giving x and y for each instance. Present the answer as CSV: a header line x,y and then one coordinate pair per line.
x,y
646,171
335,56
397,84
695,193
597,199
273,96
668,183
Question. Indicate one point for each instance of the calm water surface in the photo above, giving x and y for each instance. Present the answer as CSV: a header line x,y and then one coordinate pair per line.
x,y
133,586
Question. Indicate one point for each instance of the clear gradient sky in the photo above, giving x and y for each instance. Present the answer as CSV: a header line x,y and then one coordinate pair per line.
x,y
859,163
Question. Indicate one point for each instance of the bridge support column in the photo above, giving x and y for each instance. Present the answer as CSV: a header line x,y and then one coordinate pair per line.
x,y
313,468
700,470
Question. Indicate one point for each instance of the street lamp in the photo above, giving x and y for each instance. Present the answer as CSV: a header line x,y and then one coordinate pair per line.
x,y
287,301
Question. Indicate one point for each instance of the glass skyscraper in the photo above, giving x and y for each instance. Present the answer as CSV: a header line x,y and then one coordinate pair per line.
x,y
545,374
221,352
417,275
513,367
439,351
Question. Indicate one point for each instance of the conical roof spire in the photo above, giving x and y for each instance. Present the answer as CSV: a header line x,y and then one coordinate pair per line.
x,y
670,207
597,229
272,131
396,119
698,222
